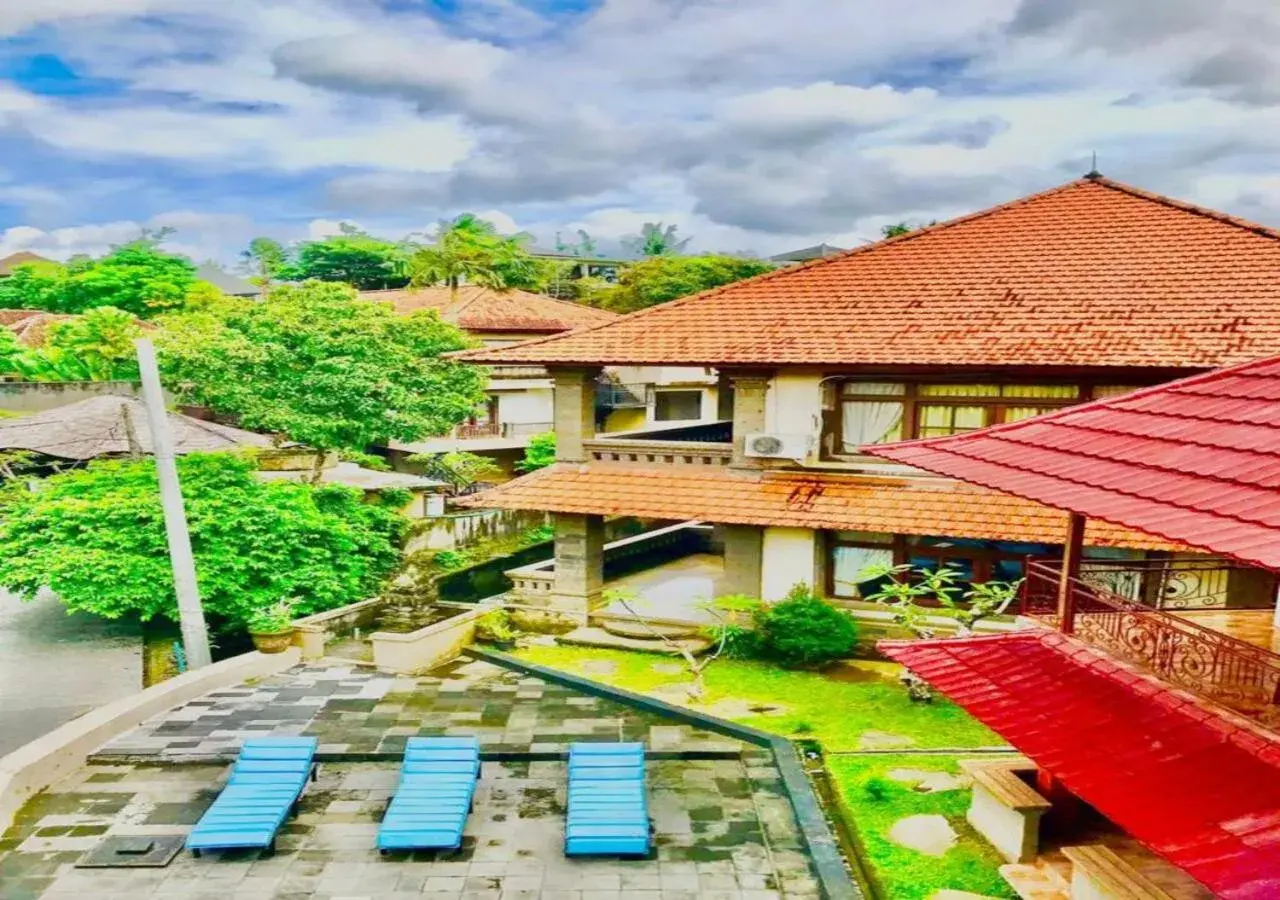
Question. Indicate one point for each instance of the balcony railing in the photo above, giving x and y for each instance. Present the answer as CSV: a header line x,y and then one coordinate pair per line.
x,y
501,430
1236,674
479,430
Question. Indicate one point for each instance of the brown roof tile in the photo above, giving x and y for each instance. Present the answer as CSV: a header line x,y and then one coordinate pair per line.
x,y
481,309
803,500
1093,273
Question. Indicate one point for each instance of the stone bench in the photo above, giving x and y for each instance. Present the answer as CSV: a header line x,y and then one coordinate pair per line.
x,y
1005,809
1097,873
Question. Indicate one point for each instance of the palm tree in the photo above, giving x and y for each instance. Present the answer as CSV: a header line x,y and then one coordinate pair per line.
x,y
656,239
469,250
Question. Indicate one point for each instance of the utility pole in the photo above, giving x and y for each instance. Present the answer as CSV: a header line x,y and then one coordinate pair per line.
x,y
195,636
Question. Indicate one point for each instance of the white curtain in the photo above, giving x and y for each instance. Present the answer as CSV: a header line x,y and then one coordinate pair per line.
x,y
851,562
868,422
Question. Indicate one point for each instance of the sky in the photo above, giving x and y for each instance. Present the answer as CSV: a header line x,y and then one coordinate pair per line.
x,y
754,125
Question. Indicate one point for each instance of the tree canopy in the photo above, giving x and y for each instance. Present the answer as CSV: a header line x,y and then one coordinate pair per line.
x,y
321,366
96,537
96,346
664,278
365,262
137,277
470,250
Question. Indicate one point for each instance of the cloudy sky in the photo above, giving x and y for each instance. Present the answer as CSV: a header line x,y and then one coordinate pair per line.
x,y
755,125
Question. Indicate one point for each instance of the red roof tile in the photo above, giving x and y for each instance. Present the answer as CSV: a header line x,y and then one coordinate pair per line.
x,y
1195,461
1198,785
481,309
852,503
1093,273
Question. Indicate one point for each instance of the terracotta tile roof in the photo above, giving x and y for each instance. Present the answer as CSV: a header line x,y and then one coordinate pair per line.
x,y
853,503
1195,461
30,326
1093,273
21,258
480,309
1196,784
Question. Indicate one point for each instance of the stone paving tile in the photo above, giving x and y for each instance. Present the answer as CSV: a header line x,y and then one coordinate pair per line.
x,y
359,710
723,831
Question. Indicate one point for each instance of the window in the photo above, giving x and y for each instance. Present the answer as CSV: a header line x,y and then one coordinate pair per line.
x,y
852,554
974,560
677,406
876,412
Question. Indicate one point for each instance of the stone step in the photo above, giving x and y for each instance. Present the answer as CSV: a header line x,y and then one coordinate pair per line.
x,y
591,636
1036,881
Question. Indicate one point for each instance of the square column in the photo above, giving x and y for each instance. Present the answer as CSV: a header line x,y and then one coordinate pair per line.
x,y
575,411
749,392
743,554
579,567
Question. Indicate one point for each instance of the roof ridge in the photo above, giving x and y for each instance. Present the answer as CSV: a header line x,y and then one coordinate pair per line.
x,y
807,264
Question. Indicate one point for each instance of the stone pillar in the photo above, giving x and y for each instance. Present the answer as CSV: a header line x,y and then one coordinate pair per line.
x,y
579,568
749,392
724,397
575,411
743,548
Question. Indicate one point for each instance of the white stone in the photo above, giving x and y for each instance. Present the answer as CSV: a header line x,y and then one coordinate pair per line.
x,y
927,782
931,835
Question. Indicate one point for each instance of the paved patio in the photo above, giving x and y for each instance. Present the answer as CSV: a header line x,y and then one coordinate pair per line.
x,y
724,828
673,590
356,710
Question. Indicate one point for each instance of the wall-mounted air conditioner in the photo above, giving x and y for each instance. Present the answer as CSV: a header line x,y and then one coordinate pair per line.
x,y
779,446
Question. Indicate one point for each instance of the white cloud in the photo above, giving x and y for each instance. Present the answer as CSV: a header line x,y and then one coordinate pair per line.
x,y
822,105
319,229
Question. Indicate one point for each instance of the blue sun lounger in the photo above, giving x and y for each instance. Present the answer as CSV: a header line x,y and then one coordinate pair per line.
x,y
608,808
266,781
430,806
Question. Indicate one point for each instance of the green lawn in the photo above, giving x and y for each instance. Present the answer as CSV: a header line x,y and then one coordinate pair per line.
x,y
901,873
858,705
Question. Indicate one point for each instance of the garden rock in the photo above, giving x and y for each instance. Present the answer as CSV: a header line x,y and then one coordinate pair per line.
x,y
926,782
928,834
600,666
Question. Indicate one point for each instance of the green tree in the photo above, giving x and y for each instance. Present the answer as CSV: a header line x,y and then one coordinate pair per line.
x,y
321,366
459,469
365,262
898,229
664,278
96,346
137,277
469,250
585,245
656,239
540,453
96,537
266,261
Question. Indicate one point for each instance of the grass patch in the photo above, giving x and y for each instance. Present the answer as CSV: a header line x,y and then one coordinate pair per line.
x,y
875,802
842,709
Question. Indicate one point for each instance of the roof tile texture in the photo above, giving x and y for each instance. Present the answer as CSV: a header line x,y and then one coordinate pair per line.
x,y
1093,273
1196,784
480,309
851,503
1195,461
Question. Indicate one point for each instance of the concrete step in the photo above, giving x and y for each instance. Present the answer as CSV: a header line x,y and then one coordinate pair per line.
x,y
591,636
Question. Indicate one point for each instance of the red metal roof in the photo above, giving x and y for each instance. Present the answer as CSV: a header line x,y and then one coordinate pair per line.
x,y
1195,461
480,309
924,506
1092,273
1196,784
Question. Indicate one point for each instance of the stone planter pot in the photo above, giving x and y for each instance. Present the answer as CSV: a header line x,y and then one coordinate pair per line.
x,y
272,641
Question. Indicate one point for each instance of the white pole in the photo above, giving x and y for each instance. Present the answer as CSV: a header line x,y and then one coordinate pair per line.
x,y
195,636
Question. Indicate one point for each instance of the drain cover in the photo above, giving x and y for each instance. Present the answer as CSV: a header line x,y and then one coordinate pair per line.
x,y
124,851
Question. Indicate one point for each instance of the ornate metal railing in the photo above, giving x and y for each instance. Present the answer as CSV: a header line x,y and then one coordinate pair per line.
x,y
1216,666
1181,584
479,430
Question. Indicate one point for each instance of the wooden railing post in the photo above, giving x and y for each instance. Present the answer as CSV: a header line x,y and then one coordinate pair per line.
x,y
1071,551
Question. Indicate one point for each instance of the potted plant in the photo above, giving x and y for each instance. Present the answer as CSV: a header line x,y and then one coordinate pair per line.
x,y
495,628
272,627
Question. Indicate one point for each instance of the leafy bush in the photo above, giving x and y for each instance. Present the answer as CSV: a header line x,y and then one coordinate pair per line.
x,y
877,788
805,630
273,619
740,641
540,453
96,537
496,627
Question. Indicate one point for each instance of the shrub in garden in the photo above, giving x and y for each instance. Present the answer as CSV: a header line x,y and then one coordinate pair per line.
x,y
805,630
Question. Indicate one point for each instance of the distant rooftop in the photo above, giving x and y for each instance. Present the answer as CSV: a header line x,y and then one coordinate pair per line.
x,y
818,251
22,257
224,281
481,309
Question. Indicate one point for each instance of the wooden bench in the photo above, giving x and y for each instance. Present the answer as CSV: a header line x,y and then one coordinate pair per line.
x,y
1005,809
1097,873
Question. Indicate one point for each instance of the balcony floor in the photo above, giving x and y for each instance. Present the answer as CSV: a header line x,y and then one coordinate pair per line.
x,y
1253,626
674,590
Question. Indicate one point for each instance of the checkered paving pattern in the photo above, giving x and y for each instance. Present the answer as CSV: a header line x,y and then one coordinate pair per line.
x,y
359,710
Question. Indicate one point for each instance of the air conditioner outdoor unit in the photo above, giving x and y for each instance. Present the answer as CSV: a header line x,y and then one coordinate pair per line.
x,y
779,446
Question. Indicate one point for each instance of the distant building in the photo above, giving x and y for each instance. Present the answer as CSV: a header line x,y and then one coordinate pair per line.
x,y
21,258
819,251
232,285
584,266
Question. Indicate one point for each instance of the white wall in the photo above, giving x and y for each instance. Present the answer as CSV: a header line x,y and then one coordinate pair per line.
x,y
794,402
525,407
787,560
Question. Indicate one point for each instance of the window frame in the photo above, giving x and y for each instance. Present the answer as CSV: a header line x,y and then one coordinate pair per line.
x,y
658,392
912,402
